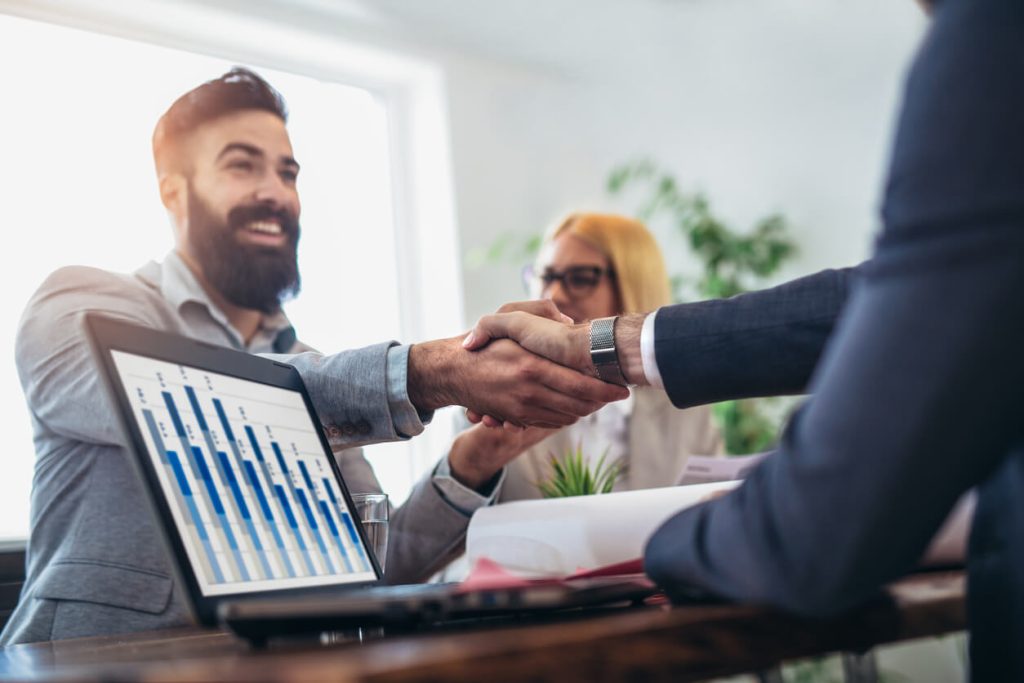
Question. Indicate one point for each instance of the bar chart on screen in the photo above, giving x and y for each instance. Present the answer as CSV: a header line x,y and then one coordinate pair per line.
x,y
242,469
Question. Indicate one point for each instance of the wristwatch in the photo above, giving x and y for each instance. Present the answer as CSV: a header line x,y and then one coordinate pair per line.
x,y
602,351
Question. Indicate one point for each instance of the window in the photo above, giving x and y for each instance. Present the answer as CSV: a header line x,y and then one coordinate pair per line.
x,y
79,188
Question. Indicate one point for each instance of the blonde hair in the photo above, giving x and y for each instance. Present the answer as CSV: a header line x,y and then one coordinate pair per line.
x,y
632,252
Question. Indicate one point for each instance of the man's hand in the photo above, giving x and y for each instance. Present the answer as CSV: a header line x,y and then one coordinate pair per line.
x,y
565,344
533,327
478,453
505,381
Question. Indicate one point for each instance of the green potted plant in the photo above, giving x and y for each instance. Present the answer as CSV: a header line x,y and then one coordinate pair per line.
x,y
572,476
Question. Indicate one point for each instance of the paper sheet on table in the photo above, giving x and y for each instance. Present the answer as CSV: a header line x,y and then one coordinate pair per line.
x,y
703,469
560,536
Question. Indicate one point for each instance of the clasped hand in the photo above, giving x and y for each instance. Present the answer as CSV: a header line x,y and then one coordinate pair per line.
x,y
540,328
525,366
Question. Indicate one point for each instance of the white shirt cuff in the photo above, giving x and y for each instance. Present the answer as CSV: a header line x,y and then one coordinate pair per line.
x,y
647,354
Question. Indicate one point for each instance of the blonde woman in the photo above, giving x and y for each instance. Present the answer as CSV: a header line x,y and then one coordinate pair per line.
x,y
594,266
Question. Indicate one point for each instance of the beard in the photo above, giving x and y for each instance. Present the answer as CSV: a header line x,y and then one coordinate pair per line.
x,y
247,275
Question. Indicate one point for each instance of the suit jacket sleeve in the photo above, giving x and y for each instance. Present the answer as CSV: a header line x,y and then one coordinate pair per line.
x,y
763,343
918,395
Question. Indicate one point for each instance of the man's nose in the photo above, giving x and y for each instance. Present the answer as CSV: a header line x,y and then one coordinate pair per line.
x,y
273,191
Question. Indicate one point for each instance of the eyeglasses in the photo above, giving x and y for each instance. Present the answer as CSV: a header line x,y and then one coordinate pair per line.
x,y
577,281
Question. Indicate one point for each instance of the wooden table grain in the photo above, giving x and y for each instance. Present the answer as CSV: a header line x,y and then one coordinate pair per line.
x,y
650,643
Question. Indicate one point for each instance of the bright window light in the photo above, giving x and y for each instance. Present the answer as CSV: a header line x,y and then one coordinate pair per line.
x,y
79,188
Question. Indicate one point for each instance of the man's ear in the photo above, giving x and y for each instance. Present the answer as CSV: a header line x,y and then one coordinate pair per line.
x,y
174,195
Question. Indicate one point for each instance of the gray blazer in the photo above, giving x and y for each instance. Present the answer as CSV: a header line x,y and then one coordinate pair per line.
x,y
95,563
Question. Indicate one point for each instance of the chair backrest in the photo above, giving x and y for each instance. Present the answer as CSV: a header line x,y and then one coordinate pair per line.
x,y
12,576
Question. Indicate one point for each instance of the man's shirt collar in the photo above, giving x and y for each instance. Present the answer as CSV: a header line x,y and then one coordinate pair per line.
x,y
180,288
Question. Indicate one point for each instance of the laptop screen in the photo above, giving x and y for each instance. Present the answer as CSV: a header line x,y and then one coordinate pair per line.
x,y
241,465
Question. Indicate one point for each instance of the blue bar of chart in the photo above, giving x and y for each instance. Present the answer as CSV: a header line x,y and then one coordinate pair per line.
x,y
236,466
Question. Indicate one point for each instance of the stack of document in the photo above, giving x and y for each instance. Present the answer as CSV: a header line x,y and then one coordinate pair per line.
x,y
560,537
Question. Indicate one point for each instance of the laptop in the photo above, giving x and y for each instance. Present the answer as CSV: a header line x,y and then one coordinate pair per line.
x,y
260,527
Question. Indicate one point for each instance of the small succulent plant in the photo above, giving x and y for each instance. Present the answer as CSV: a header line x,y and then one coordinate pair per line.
x,y
571,476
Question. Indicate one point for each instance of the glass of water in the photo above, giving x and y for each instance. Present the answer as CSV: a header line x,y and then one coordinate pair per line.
x,y
372,509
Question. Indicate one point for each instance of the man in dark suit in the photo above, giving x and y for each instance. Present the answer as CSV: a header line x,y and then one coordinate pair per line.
x,y
915,363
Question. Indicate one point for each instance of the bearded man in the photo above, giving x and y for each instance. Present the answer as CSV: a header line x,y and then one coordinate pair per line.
x,y
227,177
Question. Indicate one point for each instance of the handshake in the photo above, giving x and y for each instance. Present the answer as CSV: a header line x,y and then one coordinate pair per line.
x,y
527,365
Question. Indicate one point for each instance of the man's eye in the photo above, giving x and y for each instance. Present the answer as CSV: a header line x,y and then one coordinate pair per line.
x,y
241,165
289,176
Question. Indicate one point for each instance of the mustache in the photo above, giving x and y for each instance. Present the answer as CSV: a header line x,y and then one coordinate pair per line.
x,y
240,216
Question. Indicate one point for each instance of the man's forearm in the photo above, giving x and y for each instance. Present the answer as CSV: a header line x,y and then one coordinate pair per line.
x,y
627,344
432,376
764,343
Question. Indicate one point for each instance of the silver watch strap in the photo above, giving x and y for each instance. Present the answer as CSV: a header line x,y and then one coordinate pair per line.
x,y
602,350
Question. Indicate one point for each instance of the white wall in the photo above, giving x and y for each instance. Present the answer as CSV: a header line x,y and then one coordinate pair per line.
x,y
780,106
768,106
771,106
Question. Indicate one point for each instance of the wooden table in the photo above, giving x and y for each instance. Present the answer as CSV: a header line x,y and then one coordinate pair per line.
x,y
683,643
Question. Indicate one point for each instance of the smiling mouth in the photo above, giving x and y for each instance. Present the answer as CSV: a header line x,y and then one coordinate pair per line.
x,y
265,233
264,228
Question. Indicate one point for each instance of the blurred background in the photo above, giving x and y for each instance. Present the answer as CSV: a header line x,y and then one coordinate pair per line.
x,y
438,138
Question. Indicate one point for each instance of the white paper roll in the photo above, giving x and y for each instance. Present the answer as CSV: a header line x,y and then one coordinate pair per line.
x,y
558,536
